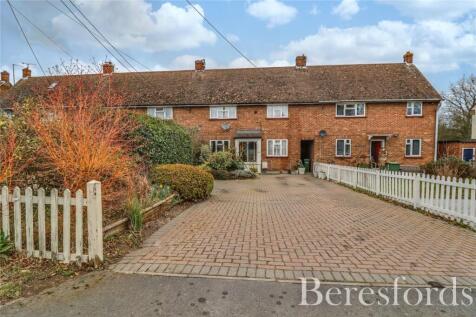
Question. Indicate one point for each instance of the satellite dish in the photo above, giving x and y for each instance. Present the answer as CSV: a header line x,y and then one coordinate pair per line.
x,y
322,133
226,126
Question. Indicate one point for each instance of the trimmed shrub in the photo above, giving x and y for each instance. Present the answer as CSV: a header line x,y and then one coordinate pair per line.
x,y
224,160
190,182
449,166
161,141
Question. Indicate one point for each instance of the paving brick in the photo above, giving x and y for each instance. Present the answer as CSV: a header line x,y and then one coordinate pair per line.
x,y
286,226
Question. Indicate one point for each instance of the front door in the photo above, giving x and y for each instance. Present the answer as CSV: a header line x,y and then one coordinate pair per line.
x,y
249,150
376,147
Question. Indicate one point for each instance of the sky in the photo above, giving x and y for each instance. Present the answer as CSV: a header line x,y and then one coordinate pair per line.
x,y
166,35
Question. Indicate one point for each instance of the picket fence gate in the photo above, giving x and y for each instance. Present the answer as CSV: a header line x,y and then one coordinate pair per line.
x,y
23,234
454,198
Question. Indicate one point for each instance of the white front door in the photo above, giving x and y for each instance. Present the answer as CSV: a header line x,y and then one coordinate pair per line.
x,y
249,150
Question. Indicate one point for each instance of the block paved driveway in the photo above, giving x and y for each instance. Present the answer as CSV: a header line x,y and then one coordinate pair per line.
x,y
283,227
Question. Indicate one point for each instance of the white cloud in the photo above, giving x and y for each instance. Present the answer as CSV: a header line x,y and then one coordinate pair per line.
x,y
346,9
273,12
188,62
433,9
438,45
314,10
233,37
135,24
241,62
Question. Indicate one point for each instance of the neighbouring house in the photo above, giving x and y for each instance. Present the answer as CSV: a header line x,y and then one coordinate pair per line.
x,y
273,117
463,149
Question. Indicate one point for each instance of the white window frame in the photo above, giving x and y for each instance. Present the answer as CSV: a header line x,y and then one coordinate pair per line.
x,y
346,142
277,111
283,147
155,111
352,105
411,107
468,148
216,145
410,141
8,113
225,112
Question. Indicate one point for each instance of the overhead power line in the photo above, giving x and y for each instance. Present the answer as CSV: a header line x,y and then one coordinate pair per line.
x,y
75,21
26,38
221,34
94,36
42,32
101,34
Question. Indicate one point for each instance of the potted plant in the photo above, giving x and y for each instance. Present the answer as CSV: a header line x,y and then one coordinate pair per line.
x,y
301,168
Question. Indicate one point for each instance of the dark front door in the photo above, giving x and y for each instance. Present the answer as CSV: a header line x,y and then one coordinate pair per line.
x,y
375,149
306,153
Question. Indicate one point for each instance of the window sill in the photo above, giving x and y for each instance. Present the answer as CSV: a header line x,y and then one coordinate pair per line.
x,y
277,156
414,116
349,117
221,119
412,156
343,156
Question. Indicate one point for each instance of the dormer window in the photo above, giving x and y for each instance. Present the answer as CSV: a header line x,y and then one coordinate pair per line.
x,y
414,109
350,109
164,113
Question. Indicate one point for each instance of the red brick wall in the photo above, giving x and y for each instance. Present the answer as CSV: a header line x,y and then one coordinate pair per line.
x,y
305,122
453,148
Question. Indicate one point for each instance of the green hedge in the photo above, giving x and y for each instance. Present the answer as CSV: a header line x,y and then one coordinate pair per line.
x,y
190,182
161,141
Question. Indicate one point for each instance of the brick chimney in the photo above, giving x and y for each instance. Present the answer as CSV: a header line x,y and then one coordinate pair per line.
x,y
26,72
5,76
408,57
301,61
107,68
200,65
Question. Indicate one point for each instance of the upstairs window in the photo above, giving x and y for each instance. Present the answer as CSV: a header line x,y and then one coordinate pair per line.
x,y
219,145
277,111
413,147
350,110
414,108
277,147
223,112
6,113
164,113
343,147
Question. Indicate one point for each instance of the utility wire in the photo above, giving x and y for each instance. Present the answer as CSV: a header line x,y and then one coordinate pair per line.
x,y
26,38
101,34
94,36
75,21
43,33
221,34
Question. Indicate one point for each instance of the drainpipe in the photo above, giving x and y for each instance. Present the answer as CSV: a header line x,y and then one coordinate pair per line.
x,y
435,157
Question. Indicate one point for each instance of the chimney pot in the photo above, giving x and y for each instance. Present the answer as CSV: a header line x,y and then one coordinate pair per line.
x,y
5,76
408,57
26,72
107,68
200,65
301,61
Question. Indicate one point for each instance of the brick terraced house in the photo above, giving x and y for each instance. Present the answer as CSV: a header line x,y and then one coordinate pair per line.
x,y
273,117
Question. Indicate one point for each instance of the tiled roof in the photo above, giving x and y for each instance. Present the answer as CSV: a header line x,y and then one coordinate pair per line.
x,y
330,83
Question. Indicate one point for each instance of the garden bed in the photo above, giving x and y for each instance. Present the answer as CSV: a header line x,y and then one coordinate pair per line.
x,y
23,277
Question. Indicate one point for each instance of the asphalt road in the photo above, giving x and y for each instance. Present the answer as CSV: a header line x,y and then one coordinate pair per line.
x,y
112,294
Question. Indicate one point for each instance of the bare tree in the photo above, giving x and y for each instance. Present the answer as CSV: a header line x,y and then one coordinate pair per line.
x,y
458,102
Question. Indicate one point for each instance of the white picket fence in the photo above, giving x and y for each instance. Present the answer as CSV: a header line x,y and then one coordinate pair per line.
x,y
44,208
445,196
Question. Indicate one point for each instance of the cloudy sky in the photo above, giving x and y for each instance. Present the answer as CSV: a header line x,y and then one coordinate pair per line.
x,y
165,35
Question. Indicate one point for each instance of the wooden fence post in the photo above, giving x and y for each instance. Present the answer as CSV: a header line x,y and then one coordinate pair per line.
x,y
328,172
416,191
354,177
338,174
95,234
